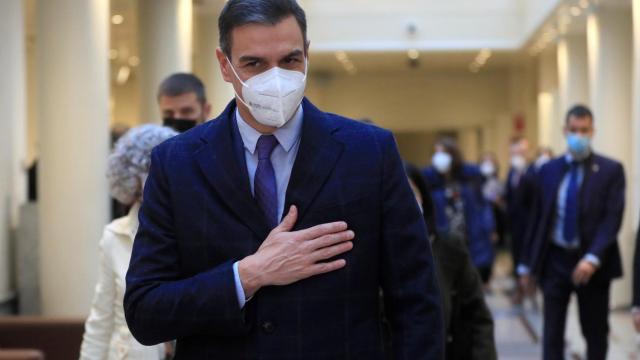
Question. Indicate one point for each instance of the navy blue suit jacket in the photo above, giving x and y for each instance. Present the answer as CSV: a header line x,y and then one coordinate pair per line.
x,y
520,201
479,219
198,217
601,206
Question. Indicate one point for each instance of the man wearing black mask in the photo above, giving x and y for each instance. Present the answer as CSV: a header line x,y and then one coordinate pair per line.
x,y
183,102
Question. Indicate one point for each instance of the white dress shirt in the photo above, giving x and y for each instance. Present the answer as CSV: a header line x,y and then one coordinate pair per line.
x,y
282,159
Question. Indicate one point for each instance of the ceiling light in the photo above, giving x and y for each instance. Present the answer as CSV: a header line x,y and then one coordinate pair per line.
x,y
123,75
584,4
113,54
485,53
117,19
134,61
413,54
342,56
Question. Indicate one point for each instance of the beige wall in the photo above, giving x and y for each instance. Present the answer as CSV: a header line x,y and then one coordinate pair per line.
x,y
416,106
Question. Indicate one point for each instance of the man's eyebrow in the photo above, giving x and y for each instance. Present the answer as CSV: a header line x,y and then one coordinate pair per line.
x,y
247,58
296,52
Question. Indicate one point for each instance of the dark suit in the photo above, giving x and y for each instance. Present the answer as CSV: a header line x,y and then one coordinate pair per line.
x,y
468,320
601,205
199,216
519,195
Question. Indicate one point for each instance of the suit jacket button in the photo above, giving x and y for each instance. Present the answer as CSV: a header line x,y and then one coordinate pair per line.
x,y
268,327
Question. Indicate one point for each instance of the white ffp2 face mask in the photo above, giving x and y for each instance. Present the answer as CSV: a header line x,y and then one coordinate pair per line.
x,y
442,161
273,96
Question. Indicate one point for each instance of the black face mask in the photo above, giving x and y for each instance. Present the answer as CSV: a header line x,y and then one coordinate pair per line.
x,y
179,125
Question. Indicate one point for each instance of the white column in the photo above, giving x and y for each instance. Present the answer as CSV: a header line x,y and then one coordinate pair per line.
x,y
12,131
573,72
73,102
609,34
549,122
165,47
206,65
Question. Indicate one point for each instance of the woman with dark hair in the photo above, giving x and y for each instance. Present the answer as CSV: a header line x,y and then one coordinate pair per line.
x,y
460,207
469,325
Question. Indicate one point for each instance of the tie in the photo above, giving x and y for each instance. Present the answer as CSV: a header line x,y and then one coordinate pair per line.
x,y
570,230
264,183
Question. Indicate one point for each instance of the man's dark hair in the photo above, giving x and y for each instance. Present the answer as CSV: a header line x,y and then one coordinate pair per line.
x,y
182,83
579,111
237,13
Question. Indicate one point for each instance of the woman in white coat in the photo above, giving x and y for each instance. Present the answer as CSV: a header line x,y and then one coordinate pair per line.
x,y
106,333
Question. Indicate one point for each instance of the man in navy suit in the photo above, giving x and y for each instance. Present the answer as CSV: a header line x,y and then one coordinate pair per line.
x,y
573,245
213,264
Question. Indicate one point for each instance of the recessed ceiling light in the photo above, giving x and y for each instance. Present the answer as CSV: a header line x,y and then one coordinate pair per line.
x,y
342,56
134,61
413,54
113,54
117,19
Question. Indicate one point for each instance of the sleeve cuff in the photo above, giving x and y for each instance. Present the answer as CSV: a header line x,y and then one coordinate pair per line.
x,y
239,290
523,270
592,259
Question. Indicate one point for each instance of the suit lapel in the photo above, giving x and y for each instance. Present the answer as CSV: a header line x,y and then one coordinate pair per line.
x,y
226,173
591,168
317,156
555,179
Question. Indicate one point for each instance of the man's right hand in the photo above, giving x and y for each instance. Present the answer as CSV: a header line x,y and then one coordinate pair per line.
x,y
286,257
527,284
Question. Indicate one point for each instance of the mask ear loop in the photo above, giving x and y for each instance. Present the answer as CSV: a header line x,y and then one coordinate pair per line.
x,y
242,82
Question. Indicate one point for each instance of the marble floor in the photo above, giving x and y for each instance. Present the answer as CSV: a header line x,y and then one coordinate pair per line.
x,y
518,328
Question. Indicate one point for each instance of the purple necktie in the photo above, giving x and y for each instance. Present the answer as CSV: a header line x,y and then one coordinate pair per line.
x,y
264,183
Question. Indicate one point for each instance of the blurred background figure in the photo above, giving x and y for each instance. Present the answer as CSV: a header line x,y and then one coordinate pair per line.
x,y
469,324
493,191
460,207
519,200
544,154
183,102
106,333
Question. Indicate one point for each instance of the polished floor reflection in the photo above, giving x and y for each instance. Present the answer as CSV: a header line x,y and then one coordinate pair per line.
x,y
517,329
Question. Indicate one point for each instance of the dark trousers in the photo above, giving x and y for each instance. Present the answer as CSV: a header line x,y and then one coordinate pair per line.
x,y
593,306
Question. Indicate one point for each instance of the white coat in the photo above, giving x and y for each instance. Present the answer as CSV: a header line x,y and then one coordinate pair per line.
x,y
106,335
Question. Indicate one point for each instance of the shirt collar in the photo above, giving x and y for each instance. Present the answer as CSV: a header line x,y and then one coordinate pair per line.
x,y
287,135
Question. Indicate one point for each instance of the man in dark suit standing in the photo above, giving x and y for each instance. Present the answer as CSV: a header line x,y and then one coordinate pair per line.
x,y
635,302
519,195
573,246
213,264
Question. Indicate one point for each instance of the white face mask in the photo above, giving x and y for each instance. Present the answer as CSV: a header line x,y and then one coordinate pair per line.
x,y
487,169
441,161
518,162
273,97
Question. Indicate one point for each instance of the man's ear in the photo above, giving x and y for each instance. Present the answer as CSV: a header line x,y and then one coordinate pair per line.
x,y
225,70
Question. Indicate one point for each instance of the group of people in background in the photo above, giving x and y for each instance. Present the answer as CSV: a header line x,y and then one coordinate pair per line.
x,y
561,217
